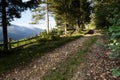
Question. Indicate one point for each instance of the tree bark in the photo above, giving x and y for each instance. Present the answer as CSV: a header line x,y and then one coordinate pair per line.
x,y
66,23
47,16
65,28
78,25
82,26
4,25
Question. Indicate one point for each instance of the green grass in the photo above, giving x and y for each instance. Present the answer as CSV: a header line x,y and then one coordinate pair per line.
x,y
23,56
22,42
66,70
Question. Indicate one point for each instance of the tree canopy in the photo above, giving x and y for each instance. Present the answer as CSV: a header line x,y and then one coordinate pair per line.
x,y
15,7
10,9
105,11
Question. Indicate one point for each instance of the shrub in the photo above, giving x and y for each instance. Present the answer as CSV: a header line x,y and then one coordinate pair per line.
x,y
52,35
114,41
116,72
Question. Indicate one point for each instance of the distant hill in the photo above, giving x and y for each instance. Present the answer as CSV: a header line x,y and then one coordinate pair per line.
x,y
18,32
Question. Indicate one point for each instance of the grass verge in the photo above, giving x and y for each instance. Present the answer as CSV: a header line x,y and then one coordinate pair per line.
x,y
66,70
23,56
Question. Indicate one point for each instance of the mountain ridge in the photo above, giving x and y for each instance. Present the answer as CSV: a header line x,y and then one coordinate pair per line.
x,y
19,32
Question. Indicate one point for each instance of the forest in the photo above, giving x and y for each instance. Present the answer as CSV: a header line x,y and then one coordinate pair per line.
x,y
84,45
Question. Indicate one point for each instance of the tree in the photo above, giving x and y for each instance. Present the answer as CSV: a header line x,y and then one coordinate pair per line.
x,y
61,10
85,9
67,12
101,13
43,11
105,11
75,11
10,9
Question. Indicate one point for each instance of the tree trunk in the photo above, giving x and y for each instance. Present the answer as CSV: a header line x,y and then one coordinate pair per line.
x,y
47,16
78,25
4,25
66,23
65,28
82,26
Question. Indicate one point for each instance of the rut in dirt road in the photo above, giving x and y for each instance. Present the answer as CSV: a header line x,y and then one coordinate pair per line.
x,y
38,67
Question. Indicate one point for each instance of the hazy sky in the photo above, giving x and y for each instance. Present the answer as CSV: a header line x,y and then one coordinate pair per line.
x,y
26,19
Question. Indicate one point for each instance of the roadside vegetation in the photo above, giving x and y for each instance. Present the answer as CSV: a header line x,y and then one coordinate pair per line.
x,y
107,17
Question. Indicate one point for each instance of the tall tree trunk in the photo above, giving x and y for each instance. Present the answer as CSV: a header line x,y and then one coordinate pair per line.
x,y
78,25
4,25
47,16
82,26
65,28
66,23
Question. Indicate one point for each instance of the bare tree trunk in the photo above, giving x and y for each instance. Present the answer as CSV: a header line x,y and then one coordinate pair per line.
x,y
47,16
65,28
82,26
4,25
66,23
78,25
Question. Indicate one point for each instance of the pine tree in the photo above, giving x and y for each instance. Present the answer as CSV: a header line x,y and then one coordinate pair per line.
x,y
75,11
85,9
61,10
68,12
10,9
106,12
42,12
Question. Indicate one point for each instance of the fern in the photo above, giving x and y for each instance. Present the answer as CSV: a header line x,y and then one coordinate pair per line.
x,y
116,72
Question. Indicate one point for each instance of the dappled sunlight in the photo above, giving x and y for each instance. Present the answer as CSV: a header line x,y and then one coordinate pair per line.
x,y
96,33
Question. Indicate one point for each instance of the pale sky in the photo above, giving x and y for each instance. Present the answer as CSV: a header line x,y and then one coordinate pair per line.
x,y
26,19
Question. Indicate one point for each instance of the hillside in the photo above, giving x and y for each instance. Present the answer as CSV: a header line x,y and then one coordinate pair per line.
x,y
18,32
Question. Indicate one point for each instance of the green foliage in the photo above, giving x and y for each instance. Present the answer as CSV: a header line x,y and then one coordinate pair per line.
x,y
116,72
114,32
106,13
101,13
42,37
91,25
45,36
66,13
39,13
15,7
52,35
10,9
114,41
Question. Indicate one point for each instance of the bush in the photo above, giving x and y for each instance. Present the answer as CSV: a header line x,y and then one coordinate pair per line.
x,y
114,41
116,72
52,35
